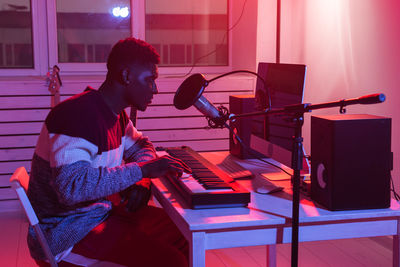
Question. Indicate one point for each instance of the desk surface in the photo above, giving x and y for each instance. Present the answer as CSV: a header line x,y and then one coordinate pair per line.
x,y
264,209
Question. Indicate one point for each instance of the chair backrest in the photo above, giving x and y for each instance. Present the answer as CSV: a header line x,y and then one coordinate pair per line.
x,y
20,181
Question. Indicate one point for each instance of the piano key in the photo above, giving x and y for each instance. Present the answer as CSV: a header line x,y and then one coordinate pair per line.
x,y
196,187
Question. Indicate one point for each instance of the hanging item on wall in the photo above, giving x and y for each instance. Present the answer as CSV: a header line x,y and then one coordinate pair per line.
x,y
55,83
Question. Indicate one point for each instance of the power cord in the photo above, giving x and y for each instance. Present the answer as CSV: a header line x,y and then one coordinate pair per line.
x,y
217,47
396,196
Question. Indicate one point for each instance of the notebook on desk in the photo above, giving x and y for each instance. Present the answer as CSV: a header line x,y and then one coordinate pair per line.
x,y
276,176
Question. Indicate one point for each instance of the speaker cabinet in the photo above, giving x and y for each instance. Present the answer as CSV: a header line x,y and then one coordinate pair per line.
x,y
351,161
239,104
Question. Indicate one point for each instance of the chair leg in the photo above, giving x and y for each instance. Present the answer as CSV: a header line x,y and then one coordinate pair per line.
x,y
45,246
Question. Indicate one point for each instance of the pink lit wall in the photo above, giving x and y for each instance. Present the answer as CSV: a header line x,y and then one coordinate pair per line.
x,y
244,35
351,48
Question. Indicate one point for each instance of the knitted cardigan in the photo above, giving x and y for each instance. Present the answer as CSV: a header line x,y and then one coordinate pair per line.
x,y
84,153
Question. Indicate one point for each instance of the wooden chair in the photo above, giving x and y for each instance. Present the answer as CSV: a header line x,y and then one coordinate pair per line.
x,y
20,181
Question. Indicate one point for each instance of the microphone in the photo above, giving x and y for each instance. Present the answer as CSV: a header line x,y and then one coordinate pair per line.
x,y
190,93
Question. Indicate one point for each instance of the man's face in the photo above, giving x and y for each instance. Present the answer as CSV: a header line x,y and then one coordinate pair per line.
x,y
139,93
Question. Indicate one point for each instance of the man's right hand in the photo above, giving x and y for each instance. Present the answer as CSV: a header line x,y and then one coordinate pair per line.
x,y
163,165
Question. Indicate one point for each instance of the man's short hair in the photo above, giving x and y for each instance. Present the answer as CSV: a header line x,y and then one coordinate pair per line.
x,y
131,51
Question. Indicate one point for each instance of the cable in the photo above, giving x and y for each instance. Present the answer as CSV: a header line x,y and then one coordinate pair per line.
x,y
218,46
238,71
250,72
396,196
249,150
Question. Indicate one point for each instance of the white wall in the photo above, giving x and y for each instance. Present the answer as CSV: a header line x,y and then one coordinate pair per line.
x,y
350,49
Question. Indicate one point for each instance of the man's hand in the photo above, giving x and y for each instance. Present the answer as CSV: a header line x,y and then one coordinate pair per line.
x,y
162,166
138,195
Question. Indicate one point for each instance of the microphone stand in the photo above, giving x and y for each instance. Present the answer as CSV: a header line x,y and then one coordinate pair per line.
x,y
296,112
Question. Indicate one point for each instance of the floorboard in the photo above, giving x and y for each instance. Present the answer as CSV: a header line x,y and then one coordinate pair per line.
x,y
10,233
330,254
365,255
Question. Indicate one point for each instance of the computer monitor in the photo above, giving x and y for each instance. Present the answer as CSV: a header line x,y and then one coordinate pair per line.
x,y
285,83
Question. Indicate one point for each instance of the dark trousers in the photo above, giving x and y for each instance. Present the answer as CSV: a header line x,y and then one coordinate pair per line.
x,y
145,238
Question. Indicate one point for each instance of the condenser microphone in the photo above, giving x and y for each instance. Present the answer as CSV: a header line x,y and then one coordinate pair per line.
x,y
190,93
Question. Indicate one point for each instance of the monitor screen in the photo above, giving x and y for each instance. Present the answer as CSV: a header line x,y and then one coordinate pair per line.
x,y
285,83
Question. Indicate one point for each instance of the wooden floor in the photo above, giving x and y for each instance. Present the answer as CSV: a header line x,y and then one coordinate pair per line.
x,y
349,252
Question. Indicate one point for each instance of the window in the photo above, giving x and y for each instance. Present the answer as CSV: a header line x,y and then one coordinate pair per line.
x,y
86,30
78,35
188,32
16,49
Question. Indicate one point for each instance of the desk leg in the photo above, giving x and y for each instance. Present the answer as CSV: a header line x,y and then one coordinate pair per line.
x,y
271,255
396,247
197,249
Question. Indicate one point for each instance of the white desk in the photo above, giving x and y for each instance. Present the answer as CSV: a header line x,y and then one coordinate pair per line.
x,y
266,221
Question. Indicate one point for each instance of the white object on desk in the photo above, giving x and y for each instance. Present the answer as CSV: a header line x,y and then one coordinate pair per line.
x,y
276,176
268,190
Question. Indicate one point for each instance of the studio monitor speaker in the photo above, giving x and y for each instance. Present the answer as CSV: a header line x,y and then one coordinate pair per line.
x,y
351,161
239,104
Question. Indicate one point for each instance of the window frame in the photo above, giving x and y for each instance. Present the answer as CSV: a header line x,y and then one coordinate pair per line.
x,y
39,44
45,48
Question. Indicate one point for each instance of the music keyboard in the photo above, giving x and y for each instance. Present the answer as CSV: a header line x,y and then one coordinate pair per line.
x,y
207,186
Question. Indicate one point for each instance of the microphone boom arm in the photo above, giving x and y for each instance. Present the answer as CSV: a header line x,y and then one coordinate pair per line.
x,y
307,107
